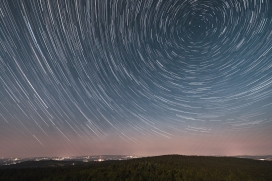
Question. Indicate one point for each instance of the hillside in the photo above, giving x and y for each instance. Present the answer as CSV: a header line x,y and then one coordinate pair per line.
x,y
168,167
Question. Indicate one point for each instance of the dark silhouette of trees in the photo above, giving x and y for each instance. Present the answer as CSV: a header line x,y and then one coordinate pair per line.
x,y
169,167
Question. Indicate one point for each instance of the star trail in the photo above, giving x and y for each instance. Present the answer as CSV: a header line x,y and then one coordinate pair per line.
x,y
135,76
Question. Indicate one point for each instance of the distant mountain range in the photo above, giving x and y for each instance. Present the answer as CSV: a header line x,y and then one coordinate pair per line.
x,y
99,158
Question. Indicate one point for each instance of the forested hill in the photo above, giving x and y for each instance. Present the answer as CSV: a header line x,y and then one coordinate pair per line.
x,y
168,167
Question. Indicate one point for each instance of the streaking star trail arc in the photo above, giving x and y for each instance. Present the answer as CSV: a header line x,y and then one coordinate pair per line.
x,y
134,71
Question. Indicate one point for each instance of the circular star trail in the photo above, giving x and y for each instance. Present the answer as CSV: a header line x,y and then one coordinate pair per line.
x,y
92,69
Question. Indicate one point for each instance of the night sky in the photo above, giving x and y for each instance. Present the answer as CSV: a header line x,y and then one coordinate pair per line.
x,y
141,77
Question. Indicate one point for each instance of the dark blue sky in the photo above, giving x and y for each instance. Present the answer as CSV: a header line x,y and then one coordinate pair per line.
x,y
135,77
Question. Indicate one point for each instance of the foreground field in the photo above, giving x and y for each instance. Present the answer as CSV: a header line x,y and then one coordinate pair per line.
x,y
169,167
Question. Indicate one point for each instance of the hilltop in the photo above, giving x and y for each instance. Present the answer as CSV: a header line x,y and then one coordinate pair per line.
x,y
167,167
